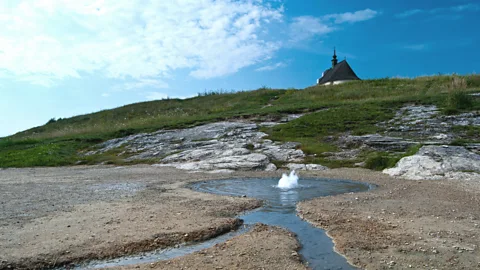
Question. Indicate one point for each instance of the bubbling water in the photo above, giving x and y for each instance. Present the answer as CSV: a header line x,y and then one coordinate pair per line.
x,y
288,181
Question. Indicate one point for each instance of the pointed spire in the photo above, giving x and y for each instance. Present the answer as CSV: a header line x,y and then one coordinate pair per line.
x,y
334,59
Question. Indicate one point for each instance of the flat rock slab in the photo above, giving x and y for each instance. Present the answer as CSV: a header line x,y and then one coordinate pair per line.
x,y
438,162
210,147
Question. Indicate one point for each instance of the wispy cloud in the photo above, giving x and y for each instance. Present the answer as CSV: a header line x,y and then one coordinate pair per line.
x,y
352,17
161,95
467,7
416,47
46,42
142,83
57,40
307,27
471,7
272,67
156,95
409,13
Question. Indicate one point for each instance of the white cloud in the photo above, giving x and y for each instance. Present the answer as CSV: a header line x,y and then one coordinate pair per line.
x,y
160,95
142,83
45,41
306,27
408,13
472,7
466,7
416,47
349,17
272,67
156,95
143,42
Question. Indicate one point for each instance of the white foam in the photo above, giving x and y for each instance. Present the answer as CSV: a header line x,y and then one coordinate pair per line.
x,y
288,181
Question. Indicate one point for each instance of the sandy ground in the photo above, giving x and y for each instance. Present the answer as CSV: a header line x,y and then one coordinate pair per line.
x,y
57,216
264,247
402,224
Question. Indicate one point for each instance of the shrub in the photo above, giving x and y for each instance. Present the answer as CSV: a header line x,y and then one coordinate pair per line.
x,y
458,83
380,161
457,101
53,120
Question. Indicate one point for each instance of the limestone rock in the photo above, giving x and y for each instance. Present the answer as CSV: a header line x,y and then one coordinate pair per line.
x,y
427,125
437,162
378,142
220,146
316,167
296,166
306,167
271,167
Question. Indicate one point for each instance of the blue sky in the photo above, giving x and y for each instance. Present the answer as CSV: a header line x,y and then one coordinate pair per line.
x,y
60,58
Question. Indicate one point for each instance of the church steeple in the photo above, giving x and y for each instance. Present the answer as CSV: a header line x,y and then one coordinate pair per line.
x,y
334,59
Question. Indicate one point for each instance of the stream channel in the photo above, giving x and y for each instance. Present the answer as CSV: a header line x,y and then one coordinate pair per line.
x,y
279,209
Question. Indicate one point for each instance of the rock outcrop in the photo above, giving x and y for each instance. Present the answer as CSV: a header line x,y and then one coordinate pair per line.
x,y
425,124
438,162
221,146
236,145
377,142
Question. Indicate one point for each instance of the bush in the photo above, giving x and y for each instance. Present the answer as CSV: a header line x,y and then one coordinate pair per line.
x,y
457,101
380,161
53,120
458,83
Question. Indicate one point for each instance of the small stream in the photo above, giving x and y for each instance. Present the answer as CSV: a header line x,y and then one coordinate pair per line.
x,y
279,209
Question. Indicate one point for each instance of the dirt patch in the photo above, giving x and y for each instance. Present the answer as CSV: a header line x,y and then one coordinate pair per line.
x,y
58,216
402,224
264,247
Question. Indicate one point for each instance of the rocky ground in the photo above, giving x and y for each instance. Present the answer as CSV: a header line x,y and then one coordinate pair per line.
x,y
402,224
264,247
58,216
55,216
240,145
439,162
224,146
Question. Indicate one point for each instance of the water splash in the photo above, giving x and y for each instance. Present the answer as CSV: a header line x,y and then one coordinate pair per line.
x,y
288,181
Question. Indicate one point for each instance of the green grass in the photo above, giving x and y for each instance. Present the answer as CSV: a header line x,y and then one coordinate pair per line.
x,y
380,160
315,131
29,153
467,133
352,107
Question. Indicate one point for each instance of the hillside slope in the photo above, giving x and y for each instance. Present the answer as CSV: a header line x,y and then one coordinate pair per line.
x,y
333,115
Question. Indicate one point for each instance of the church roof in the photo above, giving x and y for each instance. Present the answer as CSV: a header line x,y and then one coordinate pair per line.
x,y
340,72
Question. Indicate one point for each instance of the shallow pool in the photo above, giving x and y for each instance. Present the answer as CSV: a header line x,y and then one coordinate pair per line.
x,y
279,209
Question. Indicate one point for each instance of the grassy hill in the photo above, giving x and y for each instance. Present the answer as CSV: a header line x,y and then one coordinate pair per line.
x,y
353,107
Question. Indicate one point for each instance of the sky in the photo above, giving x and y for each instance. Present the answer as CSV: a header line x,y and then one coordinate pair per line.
x,y
60,58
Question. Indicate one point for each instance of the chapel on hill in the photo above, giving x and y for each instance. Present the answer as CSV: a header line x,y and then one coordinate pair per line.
x,y
340,72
